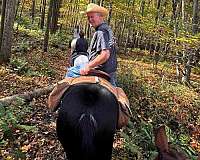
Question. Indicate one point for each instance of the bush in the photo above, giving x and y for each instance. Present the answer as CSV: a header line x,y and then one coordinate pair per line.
x,y
12,125
20,65
151,106
60,38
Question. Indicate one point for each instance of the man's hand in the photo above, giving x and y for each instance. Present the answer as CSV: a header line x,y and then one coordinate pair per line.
x,y
100,59
85,70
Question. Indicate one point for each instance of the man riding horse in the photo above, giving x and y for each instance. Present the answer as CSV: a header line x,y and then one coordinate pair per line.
x,y
102,52
90,107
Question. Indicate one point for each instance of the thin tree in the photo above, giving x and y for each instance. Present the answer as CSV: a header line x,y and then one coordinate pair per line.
x,y
131,19
183,12
3,10
33,11
17,7
22,8
195,17
110,12
55,16
165,3
46,36
42,14
158,11
142,7
6,45
188,56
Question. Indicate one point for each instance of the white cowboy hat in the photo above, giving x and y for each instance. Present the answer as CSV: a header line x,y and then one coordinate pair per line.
x,y
97,9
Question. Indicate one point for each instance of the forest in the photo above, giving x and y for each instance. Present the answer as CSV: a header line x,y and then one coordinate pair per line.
x,y
158,54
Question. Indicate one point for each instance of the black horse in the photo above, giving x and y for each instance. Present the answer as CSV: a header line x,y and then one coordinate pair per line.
x,y
87,121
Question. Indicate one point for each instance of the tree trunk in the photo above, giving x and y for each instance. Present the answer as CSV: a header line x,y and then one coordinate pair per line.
x,y
124,26
43,14
5,53
46,36
110,12
183,12
187,67
142,6
158,11
3,11
174,6
101,2
33,11
127,40
195,18
23,3
178,72
164,9
17,7
129,24
0,5
27,95
55,15
75,11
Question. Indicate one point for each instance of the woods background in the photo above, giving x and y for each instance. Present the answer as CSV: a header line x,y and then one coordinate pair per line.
x,y
168,29
158,45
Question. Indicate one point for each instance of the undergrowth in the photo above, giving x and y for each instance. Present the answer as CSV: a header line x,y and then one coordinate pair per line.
x,y
12,126
164,102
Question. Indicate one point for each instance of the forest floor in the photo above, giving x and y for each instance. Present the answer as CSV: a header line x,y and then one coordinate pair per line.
x,y
40,142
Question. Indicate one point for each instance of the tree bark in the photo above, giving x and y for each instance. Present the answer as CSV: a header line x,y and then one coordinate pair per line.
x,y
142,6
3,11
28,96
187,64
183,12
110,12
17,7
8,31
20,15
158,11
164,9
33,11
195,18
55,16
43,14
46,36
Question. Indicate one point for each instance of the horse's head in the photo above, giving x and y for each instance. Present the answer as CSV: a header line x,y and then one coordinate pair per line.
x,y
165,151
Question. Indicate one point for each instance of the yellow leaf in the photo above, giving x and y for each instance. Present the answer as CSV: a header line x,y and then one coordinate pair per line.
x,y
25,148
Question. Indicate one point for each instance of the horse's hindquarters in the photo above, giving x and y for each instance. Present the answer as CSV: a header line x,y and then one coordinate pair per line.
x,y
87,122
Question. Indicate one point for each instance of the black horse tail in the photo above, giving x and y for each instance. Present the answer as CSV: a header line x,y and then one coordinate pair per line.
x,y
87,127
87,121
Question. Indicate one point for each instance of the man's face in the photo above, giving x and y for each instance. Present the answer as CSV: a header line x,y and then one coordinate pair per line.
x,y
95,19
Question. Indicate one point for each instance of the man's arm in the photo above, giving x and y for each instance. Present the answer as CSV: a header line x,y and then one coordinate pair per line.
x,y
100,59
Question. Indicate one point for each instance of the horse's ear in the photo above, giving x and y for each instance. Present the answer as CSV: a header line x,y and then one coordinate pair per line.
x,y
198,157
161,139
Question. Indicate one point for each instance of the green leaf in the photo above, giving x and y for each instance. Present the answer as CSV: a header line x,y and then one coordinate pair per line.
x,y
28,128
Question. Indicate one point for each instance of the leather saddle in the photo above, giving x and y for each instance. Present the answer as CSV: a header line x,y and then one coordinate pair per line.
x,y
98,73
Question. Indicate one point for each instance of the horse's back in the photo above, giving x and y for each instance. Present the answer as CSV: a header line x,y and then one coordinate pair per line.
x,y
87,122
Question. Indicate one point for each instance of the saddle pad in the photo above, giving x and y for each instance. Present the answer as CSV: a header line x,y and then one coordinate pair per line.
x,y
63,85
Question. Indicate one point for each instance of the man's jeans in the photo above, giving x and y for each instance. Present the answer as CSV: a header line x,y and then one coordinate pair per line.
x,y
113,78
